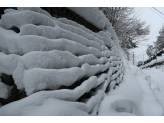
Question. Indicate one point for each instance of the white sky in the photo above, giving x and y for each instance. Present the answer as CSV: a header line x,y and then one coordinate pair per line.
x,y
155,20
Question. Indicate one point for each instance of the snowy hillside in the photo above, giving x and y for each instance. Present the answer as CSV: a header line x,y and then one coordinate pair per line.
x,y
60,66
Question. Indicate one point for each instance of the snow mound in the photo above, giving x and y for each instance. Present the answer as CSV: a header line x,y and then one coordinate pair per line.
x,y
38,79
11,19
94,16
82,30
41,104
4,90
57,33
28,43
10,10
8,63
35,9
32,106
63,67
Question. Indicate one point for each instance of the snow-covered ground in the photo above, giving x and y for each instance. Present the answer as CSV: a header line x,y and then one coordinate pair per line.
x,y
49,55
141,93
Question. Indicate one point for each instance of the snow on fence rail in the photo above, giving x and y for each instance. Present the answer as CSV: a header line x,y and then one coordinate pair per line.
x,y
151,62
58,60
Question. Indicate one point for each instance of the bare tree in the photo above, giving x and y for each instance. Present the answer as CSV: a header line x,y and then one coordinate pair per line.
x,y
129,29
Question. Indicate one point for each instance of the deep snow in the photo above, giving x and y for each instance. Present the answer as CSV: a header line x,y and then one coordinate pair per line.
x,y
141,93
49,53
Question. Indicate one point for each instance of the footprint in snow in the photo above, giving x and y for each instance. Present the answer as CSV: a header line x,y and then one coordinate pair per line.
x,y
126,106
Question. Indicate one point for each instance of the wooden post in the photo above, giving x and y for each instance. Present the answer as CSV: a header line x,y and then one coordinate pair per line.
x,y
143,59
156,55
133,58
128,56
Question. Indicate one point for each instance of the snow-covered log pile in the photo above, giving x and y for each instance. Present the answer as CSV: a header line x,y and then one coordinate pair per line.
x,y
61,67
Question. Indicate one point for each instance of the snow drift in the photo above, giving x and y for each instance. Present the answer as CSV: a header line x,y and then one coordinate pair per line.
x,y
58,62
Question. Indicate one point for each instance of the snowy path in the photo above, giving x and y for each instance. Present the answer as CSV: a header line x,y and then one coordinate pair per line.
x,y
155,78
138,94
157,75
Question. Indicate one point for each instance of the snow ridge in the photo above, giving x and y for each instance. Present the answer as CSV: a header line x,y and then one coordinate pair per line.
x,y
57,62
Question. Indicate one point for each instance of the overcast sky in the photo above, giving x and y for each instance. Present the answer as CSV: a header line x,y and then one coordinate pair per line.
x,y
155,20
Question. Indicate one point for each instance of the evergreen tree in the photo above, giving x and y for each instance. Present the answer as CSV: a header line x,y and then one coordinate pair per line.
x,y
160,39
150,50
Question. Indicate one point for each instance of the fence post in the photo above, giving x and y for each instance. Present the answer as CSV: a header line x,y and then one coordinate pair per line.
x,y
128,56
143,59
156,55
133,58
